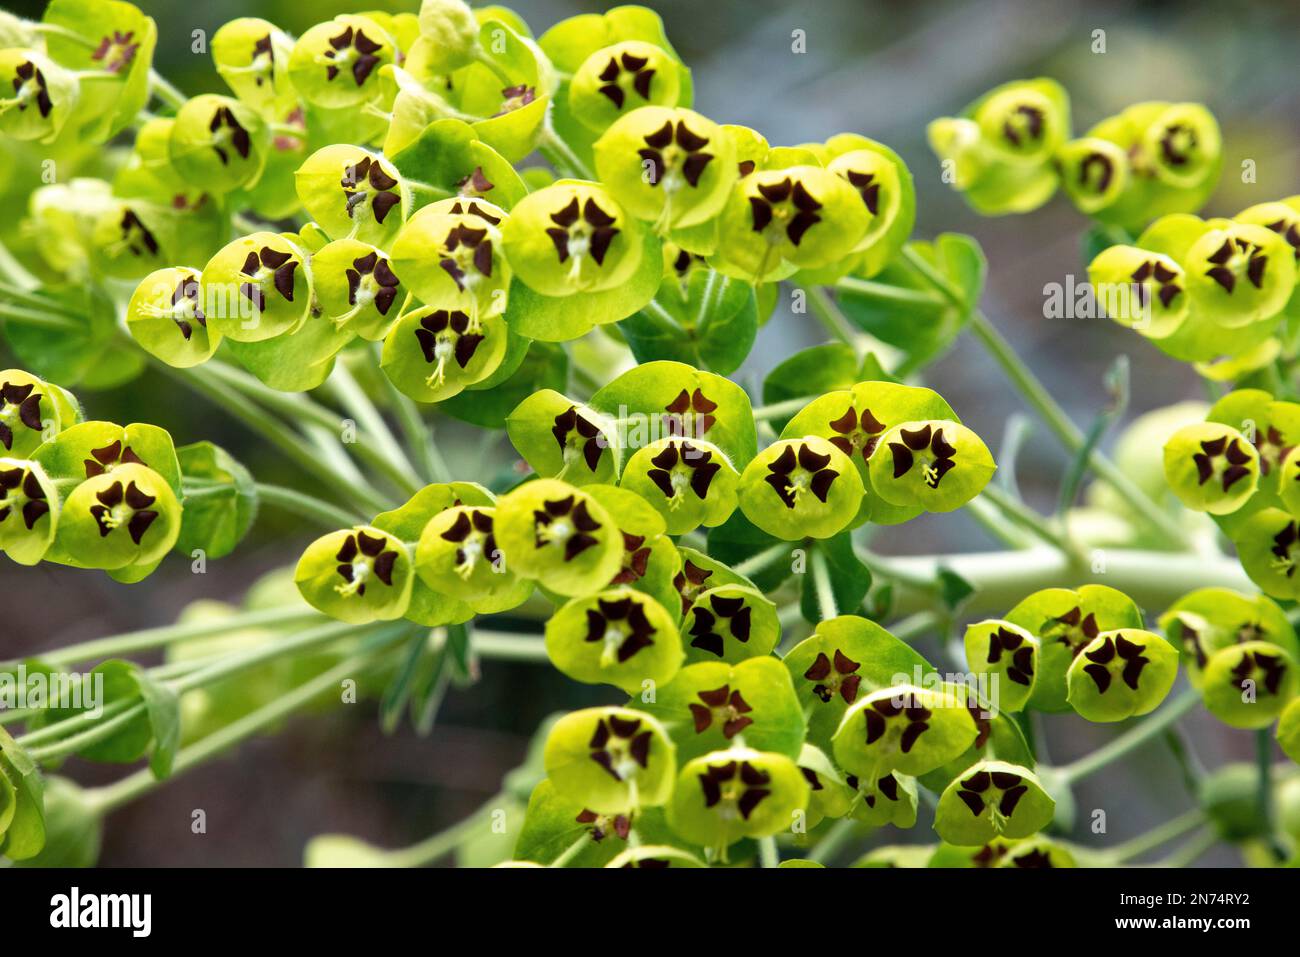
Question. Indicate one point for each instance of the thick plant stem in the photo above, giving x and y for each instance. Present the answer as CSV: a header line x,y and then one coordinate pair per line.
x,y
559,154
780,409
572,851
829,315
1131,740
756,563
840,833
505,646
1191,851
1024,516
822,582
128,642
113,796
768,854
28,316
441,844
162,88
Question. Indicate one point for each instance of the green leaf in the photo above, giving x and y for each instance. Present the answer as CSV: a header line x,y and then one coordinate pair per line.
x,y
850,579
811,372
87,352
163,706
220,500
24,836
953,589
712,323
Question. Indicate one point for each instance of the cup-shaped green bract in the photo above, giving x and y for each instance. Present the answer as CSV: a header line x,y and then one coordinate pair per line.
x,y
451,257
571,237
905,728
612,760
1183,146
1247,685
1281,217
617,80
90,449
1239,273
559,535
219,142
656,856
730,623
1094,172
854,420
937,465
728,795
845,659
1208,620
1139,289
890,799
779,220
357,575
564,439
671,167
1120,674
1024,122
41,96
830,795
651,562
1211,467
252,56
166,317
1268,547
1272,426
699,573
1288,730
1009,655
619,636
257,287
128,515
887,192
31,411
690,482
357,288
433,352
29,511
354,194
1288,481
992,799
336,64
711,705
801,488
458,556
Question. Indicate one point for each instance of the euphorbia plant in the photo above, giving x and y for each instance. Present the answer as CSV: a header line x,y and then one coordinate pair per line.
x,y
358,235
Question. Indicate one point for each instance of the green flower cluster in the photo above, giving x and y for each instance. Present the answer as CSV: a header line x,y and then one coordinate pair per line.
x,y
85,494
1011,149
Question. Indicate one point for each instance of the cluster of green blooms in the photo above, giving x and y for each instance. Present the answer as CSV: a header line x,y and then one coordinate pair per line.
x,y
1010,150
85,494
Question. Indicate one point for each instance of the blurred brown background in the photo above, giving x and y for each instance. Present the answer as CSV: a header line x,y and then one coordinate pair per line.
x,y
880,68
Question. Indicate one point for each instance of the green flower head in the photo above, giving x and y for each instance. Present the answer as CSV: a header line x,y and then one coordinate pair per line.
x,y
612,760
727,795
357,575
992,799
219,142
29,511
166,317
1208,620
1095,172
730,623
1009,652
433,352
128,515
617,80
353,194
257,287
937,465
1211,468
1239,274
619,636
30,411
457,555
357,288
690,482
1120,674
797,488
1141,290
336,64
451,257
39,96
905,728
1247,685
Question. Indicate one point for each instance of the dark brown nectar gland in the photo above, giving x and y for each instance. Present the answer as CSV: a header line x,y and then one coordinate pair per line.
x,y
1001,790
263,267
856,433
1259,668
186,307
736,787
514,98
353,51
1290,231
577,435
472,534
20,403
623,74
128,508
1024,125
886,712
261,65
835,676
723,707
1021,666
30,88
360,558
1117,651
474,185
110,456
365,181
680,466
1237,258
602,825
636,560
371,281
116,52
21,494
1154,272
794,473
227,135
1073,629
581,230
1223,460
690,415
620,747
1285,543
134,237
886,785
784,210
690,581
731,614
673,155
925,449
444,337
621,627
467,256
1272,447
566,524
1096,171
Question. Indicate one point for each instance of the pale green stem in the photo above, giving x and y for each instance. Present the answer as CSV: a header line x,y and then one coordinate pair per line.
x,y
887,293
1136,737
757,562
1024,516
306,506
559,153
768,854
840,833
395,465
165,91
505,646
829,315
572,851
779,409
1193,849
1160,834
822,582
439,845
